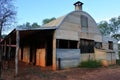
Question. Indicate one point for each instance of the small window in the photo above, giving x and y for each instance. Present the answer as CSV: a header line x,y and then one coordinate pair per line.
x,y
110,45
66,44
86,46
84,21
98,45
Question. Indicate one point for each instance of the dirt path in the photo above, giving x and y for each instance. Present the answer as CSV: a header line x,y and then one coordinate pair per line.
x,y
29,72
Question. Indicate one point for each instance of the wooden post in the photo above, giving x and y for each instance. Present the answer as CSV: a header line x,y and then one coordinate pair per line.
x,y
9,51
59,63
4,49
9,47
111,58
54,67
0,63
17,51
4,54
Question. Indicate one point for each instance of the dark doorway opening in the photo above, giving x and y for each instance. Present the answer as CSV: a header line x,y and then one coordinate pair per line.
x,y
22,53
49,52
32,54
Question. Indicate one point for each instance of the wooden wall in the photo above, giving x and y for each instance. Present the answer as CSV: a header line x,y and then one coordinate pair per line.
x,y
111,58
69,58
40,57
67,35
87,56
106,44
72,24
26,54
19,54
100,54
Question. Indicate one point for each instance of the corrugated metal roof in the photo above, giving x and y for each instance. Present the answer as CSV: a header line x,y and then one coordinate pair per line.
x,y
41,28
26,31
54,23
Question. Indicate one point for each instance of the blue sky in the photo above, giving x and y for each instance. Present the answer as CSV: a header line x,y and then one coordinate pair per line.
x,y
37,10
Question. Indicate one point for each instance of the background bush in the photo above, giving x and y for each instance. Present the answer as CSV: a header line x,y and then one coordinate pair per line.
x,y
118,61
90,64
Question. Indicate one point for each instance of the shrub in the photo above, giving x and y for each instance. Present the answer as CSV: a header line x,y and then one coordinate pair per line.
x,y
90,64
118,61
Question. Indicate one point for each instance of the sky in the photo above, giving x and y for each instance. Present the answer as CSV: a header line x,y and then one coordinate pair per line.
x,y
37,10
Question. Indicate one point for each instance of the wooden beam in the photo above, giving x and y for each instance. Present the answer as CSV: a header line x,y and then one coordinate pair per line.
x,y
54,66
17,51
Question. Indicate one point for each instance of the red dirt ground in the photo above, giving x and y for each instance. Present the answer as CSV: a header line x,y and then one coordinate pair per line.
x,y
30,72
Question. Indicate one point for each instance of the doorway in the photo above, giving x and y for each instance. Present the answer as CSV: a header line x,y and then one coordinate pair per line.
x,y
49,53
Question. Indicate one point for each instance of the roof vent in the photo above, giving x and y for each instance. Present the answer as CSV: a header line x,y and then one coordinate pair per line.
x,y
78,5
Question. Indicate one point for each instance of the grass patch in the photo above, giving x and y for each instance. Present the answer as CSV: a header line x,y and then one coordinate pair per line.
x,y
90,64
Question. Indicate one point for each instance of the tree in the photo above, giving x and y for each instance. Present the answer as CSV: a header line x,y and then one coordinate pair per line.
x,y
27,25
115,27
111,28
104,28
7,14
45,21
7,17
35,25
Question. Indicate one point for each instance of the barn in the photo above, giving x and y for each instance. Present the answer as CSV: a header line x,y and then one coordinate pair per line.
x,y
62,43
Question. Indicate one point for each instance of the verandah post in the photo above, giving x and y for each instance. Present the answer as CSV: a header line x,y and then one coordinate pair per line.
x,y
9,51
54,66
17,51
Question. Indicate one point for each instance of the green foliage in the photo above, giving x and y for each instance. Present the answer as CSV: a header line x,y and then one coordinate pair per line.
x,y
119,49
118,61
45,21
29,26
116,36
3,36
104,28
90,64
35,25
111,28
119,46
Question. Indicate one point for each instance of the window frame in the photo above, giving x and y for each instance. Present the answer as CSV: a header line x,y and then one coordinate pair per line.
x,y
110,45
86,46
84,21
98,45
71,44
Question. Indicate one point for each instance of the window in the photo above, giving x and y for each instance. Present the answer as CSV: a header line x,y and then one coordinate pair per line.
x,y
66,44
86,46
62,44
84,21
98,45
110,45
